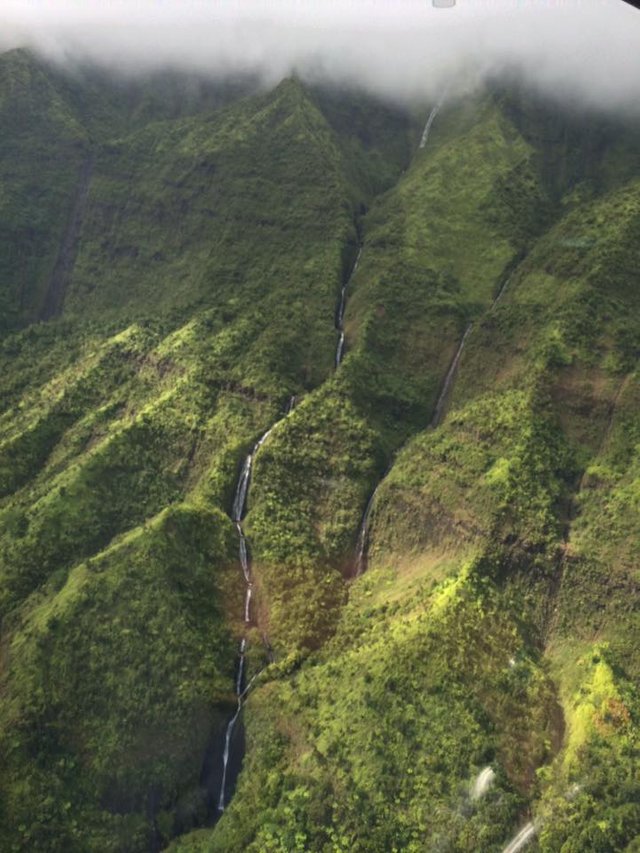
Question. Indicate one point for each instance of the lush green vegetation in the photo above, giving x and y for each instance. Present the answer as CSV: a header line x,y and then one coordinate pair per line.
x,y
496,622
112,681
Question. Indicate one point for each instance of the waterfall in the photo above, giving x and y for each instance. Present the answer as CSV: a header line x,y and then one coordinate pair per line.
x,y
237,514
340,349
342,304
225,755
501,292
432,117
482,783
448,382
521,840
242,488
244,556
240,676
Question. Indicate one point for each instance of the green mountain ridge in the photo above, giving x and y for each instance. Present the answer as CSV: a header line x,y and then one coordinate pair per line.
x,y
189,280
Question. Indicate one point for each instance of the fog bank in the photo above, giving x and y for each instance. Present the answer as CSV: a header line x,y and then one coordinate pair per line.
x,y
403,49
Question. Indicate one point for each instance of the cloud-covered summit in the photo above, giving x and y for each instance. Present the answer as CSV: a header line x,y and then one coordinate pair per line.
x,y
586,49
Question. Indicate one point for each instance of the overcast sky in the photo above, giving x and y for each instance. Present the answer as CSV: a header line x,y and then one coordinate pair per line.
x,y
404,48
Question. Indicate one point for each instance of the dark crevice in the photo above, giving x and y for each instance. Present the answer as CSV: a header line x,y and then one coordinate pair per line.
x,y
57,287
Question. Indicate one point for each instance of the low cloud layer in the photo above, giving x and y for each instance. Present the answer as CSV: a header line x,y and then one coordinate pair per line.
x,y
406,49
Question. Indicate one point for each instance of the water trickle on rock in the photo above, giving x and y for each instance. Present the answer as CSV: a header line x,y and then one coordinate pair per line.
x,y
501,292
448,382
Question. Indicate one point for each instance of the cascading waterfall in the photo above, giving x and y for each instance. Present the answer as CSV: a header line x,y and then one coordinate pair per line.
x,y
341,309
237,513
521,840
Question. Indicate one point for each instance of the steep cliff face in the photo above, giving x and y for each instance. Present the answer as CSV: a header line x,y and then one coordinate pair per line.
x,y
197,261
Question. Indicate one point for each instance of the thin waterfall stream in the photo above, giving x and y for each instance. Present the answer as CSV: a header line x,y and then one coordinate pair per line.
x,y
238,511
430,120
449,379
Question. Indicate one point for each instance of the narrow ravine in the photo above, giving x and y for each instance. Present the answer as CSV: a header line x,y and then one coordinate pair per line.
x,y
342,305
57,287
